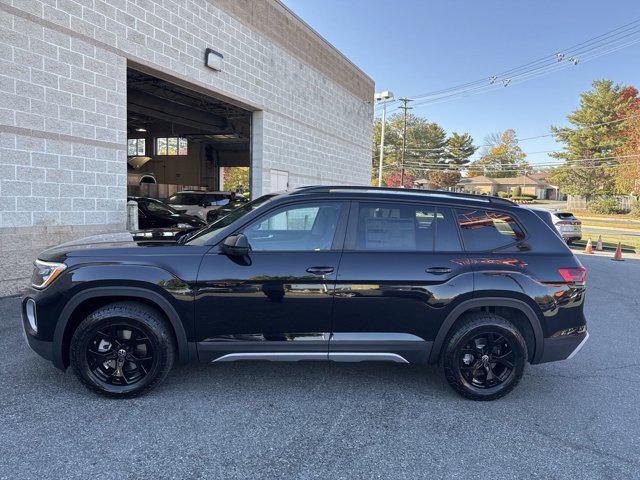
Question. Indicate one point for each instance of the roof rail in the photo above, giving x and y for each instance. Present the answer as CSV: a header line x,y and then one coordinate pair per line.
x,y
410,191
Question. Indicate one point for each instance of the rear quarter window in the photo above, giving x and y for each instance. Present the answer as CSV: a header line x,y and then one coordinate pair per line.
x,y
484,230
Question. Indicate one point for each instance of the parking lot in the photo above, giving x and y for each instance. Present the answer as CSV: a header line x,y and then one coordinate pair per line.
x,y
574,419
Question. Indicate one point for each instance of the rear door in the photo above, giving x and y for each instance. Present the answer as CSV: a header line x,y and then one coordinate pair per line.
x,y
401,270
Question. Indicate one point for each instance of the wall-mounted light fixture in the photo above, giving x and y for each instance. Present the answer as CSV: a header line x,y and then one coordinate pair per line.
x,y
213,59
140,129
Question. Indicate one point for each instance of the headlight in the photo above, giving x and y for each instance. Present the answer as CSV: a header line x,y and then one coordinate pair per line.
x,y
45,272
184,225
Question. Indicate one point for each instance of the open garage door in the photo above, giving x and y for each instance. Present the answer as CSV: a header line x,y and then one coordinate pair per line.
x,y
180,139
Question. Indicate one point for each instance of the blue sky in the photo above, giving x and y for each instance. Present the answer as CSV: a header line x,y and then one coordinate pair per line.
x,y
411,47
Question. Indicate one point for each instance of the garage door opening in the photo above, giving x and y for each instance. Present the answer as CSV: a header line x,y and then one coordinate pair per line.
x,y
180,140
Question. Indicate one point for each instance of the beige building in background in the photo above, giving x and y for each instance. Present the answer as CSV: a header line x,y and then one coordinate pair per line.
x,y
534,184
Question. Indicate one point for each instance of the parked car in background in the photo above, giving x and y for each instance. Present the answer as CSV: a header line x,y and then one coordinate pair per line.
x,y
225,210
153,213
569,227
135,177
477,284
199,202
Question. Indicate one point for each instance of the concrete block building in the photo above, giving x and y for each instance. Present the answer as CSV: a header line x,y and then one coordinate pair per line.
x,y
107,98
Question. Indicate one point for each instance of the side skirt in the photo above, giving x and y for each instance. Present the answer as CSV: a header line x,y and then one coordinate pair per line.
x,y
304,356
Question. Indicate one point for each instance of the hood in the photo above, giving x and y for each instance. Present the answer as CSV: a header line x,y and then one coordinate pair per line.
x,y
159,237
192,220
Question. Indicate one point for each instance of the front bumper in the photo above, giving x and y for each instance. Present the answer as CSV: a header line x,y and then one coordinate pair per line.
x,y
41,347
563,347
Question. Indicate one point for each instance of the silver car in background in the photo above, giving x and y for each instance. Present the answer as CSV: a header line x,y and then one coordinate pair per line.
x,y
569,227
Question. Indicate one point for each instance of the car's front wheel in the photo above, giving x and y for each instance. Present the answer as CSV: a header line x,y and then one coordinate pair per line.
x,y
484,359
122,350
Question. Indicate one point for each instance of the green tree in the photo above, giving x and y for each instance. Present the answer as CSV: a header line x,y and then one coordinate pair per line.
x,y
595,134
459,148
501,157
426,142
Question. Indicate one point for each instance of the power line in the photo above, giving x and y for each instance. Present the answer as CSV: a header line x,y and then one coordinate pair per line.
x,y
589,49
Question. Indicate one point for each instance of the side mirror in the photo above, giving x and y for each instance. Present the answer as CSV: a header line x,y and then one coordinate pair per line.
x,y
236,245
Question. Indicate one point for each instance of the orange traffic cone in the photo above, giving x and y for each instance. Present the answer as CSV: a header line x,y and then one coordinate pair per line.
x,y
589,247
618,256
599,244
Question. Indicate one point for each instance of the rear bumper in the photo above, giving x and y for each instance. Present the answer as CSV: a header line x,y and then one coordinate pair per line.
x,y
563,347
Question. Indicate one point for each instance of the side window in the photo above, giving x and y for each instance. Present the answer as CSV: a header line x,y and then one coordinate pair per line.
x,y
302,227
447,238
395,227
486,230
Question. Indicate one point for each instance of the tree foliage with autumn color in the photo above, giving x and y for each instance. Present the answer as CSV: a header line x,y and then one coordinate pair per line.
x,y
236,179
501,157
627,177
394,180
444,180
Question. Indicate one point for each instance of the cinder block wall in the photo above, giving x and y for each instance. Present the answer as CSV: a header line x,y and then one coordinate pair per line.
x,y
63,115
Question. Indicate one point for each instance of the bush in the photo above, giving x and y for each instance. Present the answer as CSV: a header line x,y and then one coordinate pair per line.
x,y
503,194
604,206
635,209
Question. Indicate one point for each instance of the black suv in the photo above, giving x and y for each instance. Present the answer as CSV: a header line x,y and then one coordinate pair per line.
x,y
345,274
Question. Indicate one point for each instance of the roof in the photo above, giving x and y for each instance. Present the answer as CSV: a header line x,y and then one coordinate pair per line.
x,y
381,192
483,180
521,180
540,176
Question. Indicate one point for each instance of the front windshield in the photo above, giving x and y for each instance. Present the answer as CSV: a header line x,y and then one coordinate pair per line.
x,y
159,207
202,236
185,199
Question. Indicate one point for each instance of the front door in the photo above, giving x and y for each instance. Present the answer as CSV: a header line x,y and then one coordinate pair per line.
x,y
401,270
274,303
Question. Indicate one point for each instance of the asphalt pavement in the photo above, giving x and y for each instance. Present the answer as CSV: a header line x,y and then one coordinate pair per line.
x,y
574,419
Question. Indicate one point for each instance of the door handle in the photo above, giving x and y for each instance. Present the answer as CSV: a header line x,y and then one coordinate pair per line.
x,y
320,270
438,270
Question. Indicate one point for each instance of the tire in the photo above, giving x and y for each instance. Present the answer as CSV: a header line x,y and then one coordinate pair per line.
x,y
482,372
114,363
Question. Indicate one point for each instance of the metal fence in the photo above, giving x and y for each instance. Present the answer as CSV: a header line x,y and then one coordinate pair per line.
x,y
577,202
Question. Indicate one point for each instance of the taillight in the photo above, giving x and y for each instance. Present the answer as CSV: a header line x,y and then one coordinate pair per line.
x,y
573,275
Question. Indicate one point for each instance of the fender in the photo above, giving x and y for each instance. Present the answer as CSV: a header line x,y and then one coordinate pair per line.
x,y
489,302
94,292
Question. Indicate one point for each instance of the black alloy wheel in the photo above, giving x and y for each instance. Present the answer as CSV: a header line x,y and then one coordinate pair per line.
x,y
121,354
122,350
485,357
487,360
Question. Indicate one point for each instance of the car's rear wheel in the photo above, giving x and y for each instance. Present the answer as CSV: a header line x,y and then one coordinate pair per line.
x,y
485,357
122,350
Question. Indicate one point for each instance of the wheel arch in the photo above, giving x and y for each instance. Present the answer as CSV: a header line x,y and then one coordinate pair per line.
x,y
475,303
101,295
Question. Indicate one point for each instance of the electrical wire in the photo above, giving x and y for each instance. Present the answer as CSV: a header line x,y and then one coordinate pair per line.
x,y
589,49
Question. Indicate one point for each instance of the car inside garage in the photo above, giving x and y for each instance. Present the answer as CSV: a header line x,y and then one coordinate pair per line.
x,y
181,139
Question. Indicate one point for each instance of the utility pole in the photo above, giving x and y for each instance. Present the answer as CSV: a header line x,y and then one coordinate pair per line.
x,y
404,107
382,97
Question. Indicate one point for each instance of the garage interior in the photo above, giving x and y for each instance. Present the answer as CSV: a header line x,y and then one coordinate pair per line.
x,y
179,139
